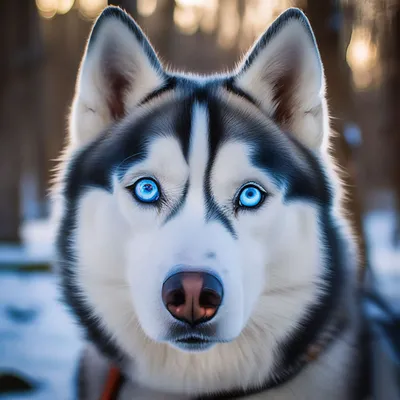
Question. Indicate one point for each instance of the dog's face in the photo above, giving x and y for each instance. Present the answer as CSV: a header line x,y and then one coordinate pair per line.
x,y
191,203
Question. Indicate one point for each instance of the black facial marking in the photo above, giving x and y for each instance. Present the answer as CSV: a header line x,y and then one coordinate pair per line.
x,y
216,136
233,88
169,85
183,127
178,207
314,187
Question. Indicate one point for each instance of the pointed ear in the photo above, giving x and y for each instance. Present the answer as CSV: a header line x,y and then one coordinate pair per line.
x,y
284,75
118,70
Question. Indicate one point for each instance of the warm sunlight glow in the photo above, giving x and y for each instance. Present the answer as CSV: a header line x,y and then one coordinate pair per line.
x,y
146,7
187,19
362,57
209,19
190,3
91,8
230,24
361,53
63,6
47,8
224,18
258,15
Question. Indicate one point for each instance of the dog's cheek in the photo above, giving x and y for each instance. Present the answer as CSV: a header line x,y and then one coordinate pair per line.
x,y
148,256
254,274
259,237
140,217
100,235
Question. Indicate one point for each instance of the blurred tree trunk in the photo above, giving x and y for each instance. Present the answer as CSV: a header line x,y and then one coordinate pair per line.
x,y
128,5
18,109
326,19
395,107
392,128
64,38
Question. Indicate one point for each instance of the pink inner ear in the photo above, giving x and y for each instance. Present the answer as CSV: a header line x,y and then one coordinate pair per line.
x,y
285,84
283,97
118,86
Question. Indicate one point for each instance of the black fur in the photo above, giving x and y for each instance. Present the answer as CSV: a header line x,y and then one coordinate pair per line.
x,y
170,84
216,137
231,86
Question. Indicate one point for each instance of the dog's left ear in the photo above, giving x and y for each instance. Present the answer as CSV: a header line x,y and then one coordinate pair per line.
x,y
284,75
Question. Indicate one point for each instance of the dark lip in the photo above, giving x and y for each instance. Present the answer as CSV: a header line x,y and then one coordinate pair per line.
x,y
193,343
193,340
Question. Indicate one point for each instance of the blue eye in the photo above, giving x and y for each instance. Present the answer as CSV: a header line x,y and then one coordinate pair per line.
x,y
146,190
251,196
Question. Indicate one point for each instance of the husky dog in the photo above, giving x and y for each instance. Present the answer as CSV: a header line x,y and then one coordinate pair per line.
x,y
200,244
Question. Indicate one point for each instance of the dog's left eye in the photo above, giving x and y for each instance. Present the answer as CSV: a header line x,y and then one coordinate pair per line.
x,y
146,190
250,196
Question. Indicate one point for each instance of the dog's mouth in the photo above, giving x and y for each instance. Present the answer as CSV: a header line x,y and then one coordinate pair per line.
x,y
193,343
193,340
201,338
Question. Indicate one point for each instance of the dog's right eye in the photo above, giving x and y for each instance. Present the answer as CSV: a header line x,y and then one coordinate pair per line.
x,y
250,196
146,190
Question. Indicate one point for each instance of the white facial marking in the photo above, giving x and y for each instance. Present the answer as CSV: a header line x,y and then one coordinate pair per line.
x,y
198,159
198,156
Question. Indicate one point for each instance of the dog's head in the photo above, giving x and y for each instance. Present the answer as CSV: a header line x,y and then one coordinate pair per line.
x,y
193,205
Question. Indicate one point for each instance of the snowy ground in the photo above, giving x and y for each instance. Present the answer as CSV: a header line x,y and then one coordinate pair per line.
x,y
38,339
383,255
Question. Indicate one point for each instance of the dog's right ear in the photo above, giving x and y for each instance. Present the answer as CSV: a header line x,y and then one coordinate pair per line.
x,y
118,70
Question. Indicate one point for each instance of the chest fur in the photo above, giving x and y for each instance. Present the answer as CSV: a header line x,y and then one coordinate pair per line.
x,y
330,377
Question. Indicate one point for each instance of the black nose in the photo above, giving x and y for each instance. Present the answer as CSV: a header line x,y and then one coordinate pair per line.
x,y
192,297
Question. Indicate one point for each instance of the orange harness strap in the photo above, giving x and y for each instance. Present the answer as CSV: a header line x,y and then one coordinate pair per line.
x,y
112,385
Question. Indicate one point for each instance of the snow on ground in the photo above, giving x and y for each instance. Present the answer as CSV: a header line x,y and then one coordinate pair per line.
x,y
384,257
38,338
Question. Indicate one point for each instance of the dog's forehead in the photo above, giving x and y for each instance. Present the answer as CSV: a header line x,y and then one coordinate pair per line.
x,y
226,117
